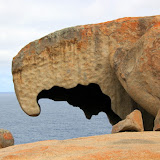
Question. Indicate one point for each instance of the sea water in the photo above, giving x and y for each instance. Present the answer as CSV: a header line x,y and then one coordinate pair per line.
x,y
58,120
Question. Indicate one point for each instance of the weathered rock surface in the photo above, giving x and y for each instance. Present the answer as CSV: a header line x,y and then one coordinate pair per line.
x,y
133,122
126,48
157,122
6,138
139,70
120,146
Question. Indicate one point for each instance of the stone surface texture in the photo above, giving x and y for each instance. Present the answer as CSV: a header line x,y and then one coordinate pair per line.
x,y
133,122
6,138
139,70
157,122
121,56
120,146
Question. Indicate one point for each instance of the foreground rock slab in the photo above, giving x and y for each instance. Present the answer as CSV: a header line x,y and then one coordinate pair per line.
x,y
126,146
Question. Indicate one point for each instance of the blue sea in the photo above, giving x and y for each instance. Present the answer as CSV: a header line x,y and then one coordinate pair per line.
x,y
58,120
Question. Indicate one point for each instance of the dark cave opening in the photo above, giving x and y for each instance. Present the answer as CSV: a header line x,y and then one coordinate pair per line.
x,y
88,98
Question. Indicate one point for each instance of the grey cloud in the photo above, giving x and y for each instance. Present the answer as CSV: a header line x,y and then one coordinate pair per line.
x,y
23,21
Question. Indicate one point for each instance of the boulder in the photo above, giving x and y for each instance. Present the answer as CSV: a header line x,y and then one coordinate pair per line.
x,y
133,122
6,138
121,57
139,69
157,122
125,145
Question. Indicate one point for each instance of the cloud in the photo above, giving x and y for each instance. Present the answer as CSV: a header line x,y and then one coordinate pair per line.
x,y
98,11
6,84
27,12
23,21
5,56
132,8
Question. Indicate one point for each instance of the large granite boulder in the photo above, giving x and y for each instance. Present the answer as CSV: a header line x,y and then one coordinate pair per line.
x,y
115,63
138,69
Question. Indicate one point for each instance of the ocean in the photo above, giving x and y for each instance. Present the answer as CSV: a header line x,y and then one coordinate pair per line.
x,y
58,120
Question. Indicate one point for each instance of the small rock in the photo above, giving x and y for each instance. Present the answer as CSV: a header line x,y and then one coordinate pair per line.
x,y
133,122
6,138
157,122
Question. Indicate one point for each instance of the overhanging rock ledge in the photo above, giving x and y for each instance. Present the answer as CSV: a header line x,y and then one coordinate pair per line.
x,y
121,57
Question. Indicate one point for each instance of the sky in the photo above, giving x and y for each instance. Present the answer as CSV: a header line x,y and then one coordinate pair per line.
x,y
23,21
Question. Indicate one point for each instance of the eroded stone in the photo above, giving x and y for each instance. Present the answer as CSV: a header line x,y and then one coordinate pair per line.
x,y
6,138
138,69
133,122
121,56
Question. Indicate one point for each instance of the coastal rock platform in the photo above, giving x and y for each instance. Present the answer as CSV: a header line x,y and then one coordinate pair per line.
x,y
125,145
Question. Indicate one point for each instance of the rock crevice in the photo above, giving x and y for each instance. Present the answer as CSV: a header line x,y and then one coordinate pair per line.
x,y
88,98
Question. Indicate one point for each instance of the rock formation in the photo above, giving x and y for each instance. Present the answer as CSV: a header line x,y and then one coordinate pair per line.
x,y
119,59
6,138
121,146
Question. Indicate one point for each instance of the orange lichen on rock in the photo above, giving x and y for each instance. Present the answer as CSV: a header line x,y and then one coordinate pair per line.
x,y
27,47
133,122
6,138
121,56
126,146
127,19
157,25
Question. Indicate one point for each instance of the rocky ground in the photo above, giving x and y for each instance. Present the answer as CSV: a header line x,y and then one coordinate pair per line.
x,y
119,146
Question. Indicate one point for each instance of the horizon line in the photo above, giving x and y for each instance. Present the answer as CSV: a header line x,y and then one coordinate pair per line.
x,y
7,92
